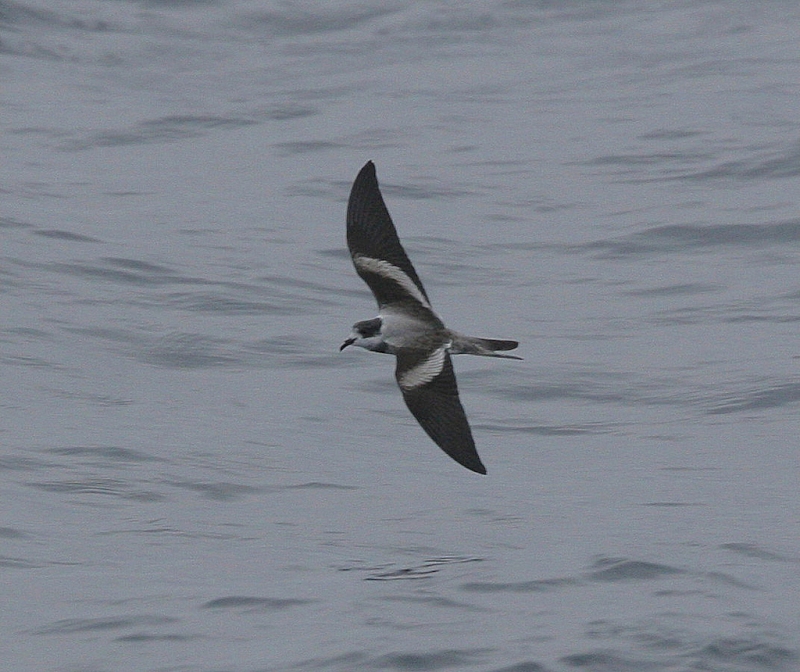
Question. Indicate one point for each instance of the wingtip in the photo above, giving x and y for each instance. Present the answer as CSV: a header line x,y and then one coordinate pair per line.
x,y
367,179
469,460
467,457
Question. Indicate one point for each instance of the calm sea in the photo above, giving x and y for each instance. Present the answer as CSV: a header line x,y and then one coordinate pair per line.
x,y
193,478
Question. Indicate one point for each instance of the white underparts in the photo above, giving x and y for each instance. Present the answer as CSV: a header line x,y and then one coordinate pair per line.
x,y
424,372
390,272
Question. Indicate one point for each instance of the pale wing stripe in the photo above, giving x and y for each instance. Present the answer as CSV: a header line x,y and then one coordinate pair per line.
x,y
424,372
392,272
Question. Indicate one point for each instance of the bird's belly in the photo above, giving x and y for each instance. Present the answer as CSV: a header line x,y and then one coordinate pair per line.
x,y
404,331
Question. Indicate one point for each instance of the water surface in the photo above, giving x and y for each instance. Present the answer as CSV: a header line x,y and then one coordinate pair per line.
x,y
194,478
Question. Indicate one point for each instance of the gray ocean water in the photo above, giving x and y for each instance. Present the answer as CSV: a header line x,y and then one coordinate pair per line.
x,y
192,477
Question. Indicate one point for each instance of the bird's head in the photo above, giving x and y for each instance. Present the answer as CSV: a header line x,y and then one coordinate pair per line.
x,y
366,334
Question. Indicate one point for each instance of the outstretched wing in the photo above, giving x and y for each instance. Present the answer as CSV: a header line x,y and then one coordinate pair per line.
x,y
377,254
428,384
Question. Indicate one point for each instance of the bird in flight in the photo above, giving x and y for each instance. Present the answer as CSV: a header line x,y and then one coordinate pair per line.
x,y
407,327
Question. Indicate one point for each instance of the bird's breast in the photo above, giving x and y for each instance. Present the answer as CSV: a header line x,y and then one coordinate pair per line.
x,y
401,330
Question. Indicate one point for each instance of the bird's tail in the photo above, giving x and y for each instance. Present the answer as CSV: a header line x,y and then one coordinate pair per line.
x,y
485,347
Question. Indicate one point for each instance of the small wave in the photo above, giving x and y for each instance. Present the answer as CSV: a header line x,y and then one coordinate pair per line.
x,y
255,603
73,625
775,396
679,238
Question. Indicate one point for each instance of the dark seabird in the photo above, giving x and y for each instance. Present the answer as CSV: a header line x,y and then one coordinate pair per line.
x,y
407,327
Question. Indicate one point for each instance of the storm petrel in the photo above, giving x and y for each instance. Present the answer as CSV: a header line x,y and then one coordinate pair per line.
x,y
407,327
